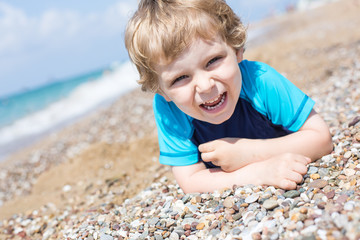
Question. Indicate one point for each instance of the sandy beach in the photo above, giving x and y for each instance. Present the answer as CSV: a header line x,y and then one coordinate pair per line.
x,y
103,170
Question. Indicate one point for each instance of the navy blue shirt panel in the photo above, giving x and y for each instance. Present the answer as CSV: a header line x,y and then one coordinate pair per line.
x,y
246,122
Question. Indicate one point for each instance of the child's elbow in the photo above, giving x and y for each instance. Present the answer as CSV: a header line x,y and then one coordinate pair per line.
x,y
188,188
327,144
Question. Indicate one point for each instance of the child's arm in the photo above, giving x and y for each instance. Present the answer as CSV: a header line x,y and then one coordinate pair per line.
x,y
283,171
312,140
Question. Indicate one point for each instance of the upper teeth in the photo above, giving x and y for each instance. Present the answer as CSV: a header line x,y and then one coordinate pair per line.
x,y
212,101
217,105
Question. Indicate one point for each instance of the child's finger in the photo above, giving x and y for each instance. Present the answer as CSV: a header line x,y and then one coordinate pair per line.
x,y
206,147
208,156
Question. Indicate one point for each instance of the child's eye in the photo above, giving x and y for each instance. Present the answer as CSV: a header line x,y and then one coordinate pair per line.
x,y
212,61
178,79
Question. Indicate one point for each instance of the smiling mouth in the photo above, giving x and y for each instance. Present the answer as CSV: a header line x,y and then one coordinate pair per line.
x,y
215,103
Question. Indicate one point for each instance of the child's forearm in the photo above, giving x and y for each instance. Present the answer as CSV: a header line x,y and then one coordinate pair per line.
x,y
284,171
209,180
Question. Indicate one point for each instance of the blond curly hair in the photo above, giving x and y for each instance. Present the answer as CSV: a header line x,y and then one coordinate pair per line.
x,y
160,30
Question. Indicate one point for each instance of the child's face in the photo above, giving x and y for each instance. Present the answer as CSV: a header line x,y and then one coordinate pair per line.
x,y
204,81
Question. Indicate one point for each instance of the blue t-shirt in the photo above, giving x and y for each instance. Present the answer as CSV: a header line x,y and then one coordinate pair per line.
x,y
269,106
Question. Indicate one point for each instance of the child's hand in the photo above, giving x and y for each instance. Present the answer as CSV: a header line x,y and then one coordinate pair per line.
x,y
284,171
225,153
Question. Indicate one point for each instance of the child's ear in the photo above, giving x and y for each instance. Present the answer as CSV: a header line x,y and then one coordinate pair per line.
x,y
240,54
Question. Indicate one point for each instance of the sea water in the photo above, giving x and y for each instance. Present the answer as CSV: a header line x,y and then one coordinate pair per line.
x,y
31,113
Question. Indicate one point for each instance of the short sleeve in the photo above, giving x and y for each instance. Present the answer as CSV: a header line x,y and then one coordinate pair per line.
x,y
174,133
276,97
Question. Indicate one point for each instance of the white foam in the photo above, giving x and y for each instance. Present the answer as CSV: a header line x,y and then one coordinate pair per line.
x,y
84,98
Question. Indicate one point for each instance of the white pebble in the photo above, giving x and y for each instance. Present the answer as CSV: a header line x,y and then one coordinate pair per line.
x,y
66,188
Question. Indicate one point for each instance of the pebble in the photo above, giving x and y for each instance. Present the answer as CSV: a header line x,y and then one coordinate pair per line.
x,y
323,172
319,183
291,194
252,198
105,237
314,176
229,202
270,204
349,206
347,155
349,172
312,170
330,194
174,236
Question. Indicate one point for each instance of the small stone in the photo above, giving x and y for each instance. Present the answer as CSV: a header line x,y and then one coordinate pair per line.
x,y
321,205
213,204
326,158
236,231
260,216
48,233
244,205
330,194
323,172
229,202
158,237
315,176
66,188
347,154
248,217
312,170
270,204
215,232
349,172
319,183
342,199
237,216
196,199
200,226
291,194
349,206
357,137
104,236
194,225
305,197
256,236
354,121
303,210
353,182
187,227
178,206
185,199
298,217
153,221
252,198
174,236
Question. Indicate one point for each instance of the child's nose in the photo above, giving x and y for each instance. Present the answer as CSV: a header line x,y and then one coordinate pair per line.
x,y
204,85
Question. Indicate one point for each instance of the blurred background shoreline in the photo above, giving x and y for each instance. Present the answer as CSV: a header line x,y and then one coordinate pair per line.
x,y
32,114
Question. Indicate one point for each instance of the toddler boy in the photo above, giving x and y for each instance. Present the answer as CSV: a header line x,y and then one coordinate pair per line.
x,y
221,120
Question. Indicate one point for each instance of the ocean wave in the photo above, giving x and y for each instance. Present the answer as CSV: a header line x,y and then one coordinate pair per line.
x,y
80,101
